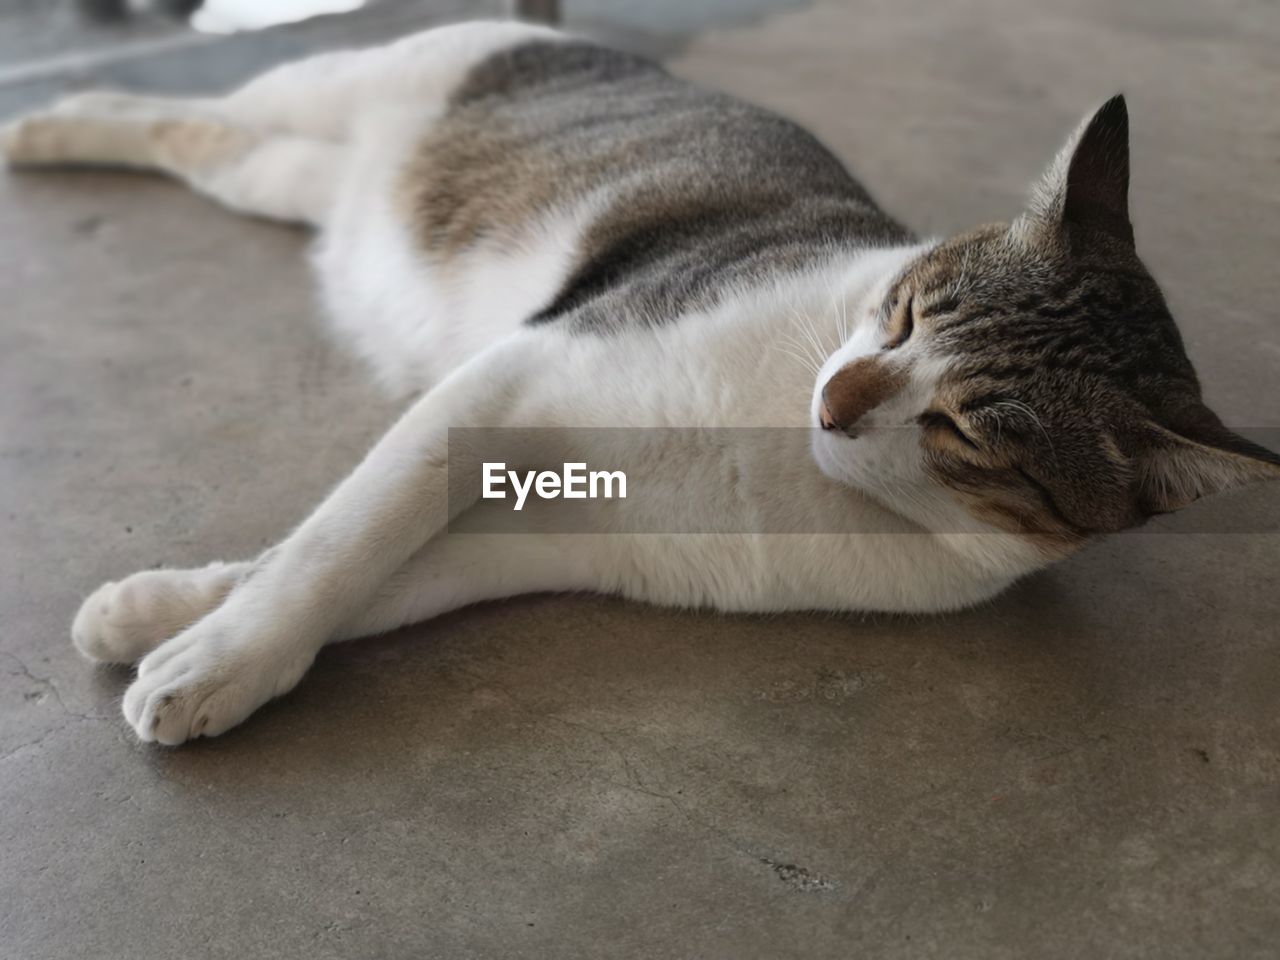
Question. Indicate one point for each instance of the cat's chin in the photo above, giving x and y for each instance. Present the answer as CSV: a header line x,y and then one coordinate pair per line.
x,y
847,461
827,456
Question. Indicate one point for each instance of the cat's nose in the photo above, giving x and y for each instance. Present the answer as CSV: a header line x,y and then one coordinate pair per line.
x,y
824,415
828,421
854,391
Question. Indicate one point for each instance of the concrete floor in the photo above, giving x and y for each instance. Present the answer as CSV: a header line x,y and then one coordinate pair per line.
x,y
1087,767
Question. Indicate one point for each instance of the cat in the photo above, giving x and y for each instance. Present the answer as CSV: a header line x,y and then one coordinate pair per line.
x,y
528,230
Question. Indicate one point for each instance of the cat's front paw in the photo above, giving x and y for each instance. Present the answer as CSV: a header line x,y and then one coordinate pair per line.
x,y
208,679
122,622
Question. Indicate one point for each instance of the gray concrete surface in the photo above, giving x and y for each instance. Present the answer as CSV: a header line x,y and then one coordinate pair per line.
x,y
1087,767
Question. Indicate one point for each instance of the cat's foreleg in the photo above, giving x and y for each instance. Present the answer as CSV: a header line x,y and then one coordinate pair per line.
x,y
459,569
260,641
121,622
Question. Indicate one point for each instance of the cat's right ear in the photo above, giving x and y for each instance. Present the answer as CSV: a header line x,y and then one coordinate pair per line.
x,y
1085,191
1175,467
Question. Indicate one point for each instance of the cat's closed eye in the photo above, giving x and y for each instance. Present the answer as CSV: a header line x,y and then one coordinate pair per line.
x,y
939,423
902,322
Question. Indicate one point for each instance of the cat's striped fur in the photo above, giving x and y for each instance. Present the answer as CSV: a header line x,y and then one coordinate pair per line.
x,y
705,192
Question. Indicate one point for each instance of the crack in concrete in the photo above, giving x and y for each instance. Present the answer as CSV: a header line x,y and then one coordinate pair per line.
x,y
46,682
25,671
9,754
797,877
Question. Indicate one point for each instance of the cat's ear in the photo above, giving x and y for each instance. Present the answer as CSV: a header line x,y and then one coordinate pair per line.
x,y
1175,467
1086,188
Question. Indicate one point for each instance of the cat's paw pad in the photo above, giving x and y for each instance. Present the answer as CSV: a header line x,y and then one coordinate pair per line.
x,y
122,622
204,682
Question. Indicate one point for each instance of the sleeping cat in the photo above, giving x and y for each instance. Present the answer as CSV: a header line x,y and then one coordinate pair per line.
x,y
531,231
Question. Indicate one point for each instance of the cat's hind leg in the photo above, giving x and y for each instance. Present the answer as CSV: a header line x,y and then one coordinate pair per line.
x,y
274,175
324,95
276,147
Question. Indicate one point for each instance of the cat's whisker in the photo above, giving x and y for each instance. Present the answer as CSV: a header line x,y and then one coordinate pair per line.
x,y
814,347
1025,409
806,361
807,327
842,313
802,361
792,338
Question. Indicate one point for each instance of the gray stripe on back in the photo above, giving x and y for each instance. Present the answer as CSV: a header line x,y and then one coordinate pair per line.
x,y
708,193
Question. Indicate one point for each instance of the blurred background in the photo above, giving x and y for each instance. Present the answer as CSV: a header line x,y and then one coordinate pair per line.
x,y
46,45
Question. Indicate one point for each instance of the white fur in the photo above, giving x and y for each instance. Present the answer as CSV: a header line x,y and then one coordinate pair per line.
x,y
323,141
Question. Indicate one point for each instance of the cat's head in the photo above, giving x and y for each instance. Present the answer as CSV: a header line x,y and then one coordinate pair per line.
x,y
1028,376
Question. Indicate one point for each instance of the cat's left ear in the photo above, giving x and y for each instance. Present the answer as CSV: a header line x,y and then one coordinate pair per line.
x,y
1086,189
1175,467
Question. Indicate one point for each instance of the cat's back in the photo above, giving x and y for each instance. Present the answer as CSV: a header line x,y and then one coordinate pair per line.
x,y
681,192
564,183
